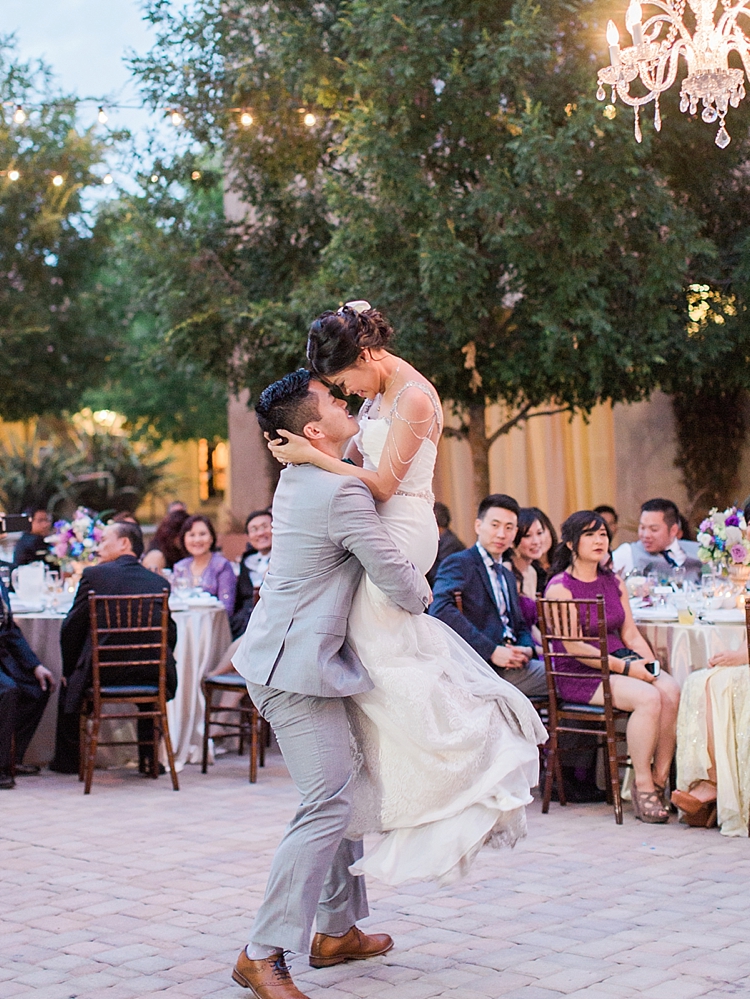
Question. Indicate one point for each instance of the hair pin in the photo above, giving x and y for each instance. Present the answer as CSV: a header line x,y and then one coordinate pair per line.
x,y
359,305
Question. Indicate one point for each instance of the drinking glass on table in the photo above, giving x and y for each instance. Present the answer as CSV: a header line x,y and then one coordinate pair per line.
x,y
182,582
5,575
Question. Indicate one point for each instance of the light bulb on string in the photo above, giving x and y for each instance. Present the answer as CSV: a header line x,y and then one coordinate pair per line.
x,y
58,180
246,119
154,178
309,120
196,175
19,115
102,116
13,175
107,178
176,117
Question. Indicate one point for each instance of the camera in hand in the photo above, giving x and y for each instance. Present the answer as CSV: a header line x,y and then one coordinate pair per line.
x,y
10,523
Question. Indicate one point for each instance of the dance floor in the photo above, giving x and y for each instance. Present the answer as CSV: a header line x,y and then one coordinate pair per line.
x,y
140,891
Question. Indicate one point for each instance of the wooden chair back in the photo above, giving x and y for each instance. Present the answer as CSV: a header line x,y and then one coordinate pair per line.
x,y
128,631
747,624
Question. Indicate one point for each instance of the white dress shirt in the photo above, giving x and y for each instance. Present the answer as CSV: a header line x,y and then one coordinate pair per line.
x,y
257,567
622,557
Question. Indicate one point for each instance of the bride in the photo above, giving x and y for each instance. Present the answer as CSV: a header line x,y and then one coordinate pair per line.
x,y
445,750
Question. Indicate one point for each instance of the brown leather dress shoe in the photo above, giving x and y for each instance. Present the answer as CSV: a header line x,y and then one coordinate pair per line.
x,y
266,979
353,946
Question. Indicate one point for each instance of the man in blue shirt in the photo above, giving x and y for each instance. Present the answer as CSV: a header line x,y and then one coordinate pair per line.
x,y
489,617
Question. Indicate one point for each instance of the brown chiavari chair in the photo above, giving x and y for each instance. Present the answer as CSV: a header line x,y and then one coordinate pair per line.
x,y
561,620
747,624
248,724
127,633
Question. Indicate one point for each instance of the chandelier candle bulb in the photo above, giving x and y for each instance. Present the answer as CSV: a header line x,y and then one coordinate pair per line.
x,y
613,39
633,20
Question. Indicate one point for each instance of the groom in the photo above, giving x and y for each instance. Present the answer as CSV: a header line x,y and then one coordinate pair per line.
x,y
299,669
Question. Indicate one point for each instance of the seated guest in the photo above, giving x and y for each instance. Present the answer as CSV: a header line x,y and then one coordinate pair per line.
x,y
610,518
166,548
31,546
118,572
25,686
658,548
176,505
523,561
253,569
490,619
448,543
208,568
578,574
713,775
550,541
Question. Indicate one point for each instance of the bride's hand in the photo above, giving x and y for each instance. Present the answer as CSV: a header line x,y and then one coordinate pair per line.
x,y
295,451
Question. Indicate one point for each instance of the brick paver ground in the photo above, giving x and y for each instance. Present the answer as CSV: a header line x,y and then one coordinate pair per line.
x,y
139,891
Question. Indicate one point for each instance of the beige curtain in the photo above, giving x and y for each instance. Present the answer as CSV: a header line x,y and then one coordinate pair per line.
x,y
553,462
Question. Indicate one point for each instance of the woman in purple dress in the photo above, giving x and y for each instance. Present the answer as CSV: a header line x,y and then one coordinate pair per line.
x,y
208,568
652,702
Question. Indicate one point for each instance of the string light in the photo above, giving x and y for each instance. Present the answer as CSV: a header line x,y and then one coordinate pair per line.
x,y
107,178
309,120
176,117
246,119
196,175
19,116
13,175
102,116
58,180
154,178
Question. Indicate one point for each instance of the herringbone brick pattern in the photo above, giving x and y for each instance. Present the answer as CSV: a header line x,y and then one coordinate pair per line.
x,y
138,891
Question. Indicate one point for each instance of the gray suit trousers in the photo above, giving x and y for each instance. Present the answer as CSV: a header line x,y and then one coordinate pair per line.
x,y
310,880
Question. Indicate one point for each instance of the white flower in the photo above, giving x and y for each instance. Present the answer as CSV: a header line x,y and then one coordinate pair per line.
x,y
734,535
705,540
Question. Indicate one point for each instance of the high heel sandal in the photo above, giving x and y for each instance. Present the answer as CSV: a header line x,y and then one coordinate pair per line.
x,y
696,813
648,806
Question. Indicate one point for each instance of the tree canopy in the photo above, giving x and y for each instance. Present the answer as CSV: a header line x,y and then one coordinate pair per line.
x,y
54,339
460,175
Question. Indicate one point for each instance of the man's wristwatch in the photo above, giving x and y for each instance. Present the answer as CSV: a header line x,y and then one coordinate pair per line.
x,y
626,667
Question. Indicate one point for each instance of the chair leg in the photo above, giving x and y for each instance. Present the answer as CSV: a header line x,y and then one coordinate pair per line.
x,y
551,764
209,697
82,731
254,745
92,739
168,745
614,774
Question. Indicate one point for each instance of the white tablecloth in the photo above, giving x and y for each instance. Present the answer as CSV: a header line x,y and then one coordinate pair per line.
x,y
683,648
203,636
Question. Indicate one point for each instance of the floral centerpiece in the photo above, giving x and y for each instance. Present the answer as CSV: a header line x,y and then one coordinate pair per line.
x,y
75,542
723,541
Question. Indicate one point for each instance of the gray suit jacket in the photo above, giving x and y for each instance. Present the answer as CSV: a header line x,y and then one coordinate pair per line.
x,y
325,532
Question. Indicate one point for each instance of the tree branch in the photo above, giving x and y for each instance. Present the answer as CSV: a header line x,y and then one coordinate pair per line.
x,y
522,415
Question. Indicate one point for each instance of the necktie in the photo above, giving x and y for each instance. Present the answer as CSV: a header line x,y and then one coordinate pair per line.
x,y
669,558
503,602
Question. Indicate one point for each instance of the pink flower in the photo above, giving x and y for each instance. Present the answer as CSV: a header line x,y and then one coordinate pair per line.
x,y
61,549
738,553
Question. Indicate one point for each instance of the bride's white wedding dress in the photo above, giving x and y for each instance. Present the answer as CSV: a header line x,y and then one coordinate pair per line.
x,y
446,751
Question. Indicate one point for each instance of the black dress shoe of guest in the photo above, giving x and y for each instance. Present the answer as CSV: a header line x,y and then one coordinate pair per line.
x,y
6,780
63,768
144,767
27,770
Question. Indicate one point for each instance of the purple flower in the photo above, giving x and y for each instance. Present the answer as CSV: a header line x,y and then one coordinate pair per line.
x,y
706,524
738,553
732,520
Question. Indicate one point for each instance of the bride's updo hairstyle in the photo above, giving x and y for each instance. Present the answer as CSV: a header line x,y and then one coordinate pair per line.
x,y
337,339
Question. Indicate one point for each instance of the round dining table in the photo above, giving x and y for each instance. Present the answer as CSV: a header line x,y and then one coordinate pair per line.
x,y
684,648
203,636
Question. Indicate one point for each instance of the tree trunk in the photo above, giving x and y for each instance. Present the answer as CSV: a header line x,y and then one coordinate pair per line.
x,y
711,431
480,451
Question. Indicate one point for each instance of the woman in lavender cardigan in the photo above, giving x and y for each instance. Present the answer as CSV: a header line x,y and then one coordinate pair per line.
x,y
207,567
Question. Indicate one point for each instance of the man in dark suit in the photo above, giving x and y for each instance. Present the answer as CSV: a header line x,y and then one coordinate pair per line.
x,y
119,572
31,546
490,619
25,686
448,543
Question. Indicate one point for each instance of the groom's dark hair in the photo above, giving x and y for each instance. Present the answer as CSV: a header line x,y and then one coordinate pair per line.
x,y
288,404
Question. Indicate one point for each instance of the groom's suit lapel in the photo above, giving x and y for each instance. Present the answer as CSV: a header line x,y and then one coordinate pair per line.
x,y
481,568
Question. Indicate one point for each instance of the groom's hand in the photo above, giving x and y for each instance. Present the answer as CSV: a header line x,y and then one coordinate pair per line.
x,y
508,657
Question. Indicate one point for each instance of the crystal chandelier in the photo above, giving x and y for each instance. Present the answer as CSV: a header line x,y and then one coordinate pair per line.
x,y
710,81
